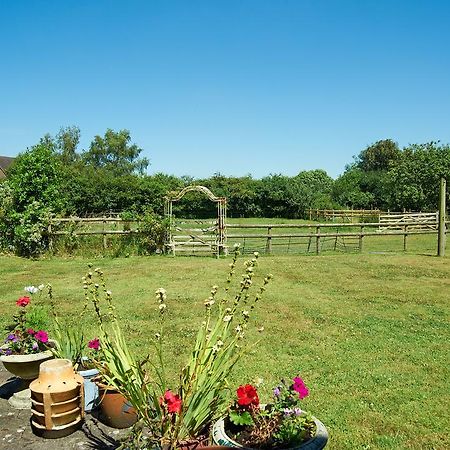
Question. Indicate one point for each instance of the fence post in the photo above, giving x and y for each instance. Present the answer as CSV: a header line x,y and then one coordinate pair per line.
x,y
50,236
104,234
269,240
361,235
442,211
405,236
317,240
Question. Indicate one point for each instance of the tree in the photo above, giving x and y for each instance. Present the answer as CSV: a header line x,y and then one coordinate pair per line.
x,y
115,153
66,143
36,175
378,156
414,180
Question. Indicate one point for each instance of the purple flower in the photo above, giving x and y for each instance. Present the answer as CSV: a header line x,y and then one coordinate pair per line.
x,y
12,337
297,411
288,412
6,351
276,392
35,346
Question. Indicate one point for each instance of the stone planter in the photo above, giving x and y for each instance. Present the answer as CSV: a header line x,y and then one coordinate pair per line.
x,y
25,367
317,442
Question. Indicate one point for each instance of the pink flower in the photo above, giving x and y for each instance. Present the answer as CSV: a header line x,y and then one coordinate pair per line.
x,y
94,344
23,301
41,336
31,331
299,386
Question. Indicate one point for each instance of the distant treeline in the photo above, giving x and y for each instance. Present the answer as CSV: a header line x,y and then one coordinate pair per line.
x,y
55,177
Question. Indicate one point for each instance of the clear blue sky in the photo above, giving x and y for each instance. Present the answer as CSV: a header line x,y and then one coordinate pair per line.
x,y
228,86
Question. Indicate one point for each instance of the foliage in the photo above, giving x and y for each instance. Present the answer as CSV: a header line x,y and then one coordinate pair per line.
x,y
29,236
153,230
22,339
115,153
70,342
280,424
35,176
185,412
379,156
414,181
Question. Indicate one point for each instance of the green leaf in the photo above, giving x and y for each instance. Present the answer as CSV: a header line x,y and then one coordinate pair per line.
x,y
241,419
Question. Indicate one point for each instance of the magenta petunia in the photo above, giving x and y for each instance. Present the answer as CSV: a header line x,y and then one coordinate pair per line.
x,y
41,336
300,387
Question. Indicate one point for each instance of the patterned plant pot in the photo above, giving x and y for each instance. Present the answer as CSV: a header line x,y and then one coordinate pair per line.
x,y
317,442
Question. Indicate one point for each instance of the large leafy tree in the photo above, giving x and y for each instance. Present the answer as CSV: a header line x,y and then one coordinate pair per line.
x,y
115,153
379,156
36,176
414,179
364,182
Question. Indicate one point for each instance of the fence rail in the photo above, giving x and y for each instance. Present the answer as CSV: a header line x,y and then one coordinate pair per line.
x,y
342,235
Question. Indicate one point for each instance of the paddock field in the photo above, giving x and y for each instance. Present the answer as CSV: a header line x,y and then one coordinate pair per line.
x,y
369,333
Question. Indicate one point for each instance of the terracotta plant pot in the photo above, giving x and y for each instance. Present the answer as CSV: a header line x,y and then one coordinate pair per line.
x,y
317,442
114,409
57,399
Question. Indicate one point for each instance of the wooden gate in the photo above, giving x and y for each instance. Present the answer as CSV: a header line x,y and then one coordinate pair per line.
x,y
196,236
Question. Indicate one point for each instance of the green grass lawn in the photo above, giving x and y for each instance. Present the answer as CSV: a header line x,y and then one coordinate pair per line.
x,y
368,333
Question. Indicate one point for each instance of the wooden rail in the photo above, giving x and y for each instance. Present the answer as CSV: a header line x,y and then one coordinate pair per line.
x,y
315,233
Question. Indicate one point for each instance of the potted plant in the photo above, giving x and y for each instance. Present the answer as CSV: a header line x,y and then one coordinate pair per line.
x,y
71,344
25,349
179,416
280,424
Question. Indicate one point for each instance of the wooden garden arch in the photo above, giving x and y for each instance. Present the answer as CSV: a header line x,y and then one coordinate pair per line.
x,y
219,246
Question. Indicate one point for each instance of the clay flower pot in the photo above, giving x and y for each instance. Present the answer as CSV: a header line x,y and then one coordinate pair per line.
x,y
114,409
317,442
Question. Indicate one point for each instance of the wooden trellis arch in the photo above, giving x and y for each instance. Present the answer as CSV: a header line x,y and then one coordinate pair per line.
x,y
193,238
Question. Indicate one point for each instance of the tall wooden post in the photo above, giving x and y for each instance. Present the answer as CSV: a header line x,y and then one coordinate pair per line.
x,y
269,240
442,211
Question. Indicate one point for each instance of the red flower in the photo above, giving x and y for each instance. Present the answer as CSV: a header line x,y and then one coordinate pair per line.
x,y
94,344
247,396
31,331
23,301
41,336
300,387
173,402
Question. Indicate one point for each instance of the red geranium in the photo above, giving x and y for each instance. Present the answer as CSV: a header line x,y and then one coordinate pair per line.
x,y
23,301
247,396
173,402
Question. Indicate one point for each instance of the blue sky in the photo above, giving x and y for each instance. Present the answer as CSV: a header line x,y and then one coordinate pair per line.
x,y
235,87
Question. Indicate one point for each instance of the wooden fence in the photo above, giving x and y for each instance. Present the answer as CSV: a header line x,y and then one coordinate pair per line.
x,y
267,237
352,235
396,221
343,215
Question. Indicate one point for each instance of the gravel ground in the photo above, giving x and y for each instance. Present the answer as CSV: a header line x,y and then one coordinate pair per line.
x,y
16,433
